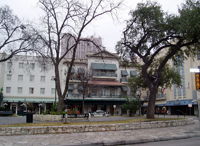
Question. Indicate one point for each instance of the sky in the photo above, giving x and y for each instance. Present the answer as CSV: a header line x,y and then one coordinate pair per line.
x,y
108,29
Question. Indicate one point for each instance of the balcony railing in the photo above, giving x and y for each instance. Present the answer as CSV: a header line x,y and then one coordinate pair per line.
x,y
95,96
105,74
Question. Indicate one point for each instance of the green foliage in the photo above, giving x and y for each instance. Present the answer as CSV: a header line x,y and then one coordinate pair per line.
x,y
131,104
54,107
5,109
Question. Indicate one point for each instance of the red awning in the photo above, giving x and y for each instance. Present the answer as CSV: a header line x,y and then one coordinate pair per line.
x,y
106,83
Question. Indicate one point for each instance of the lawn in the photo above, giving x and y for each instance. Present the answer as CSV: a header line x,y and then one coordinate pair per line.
x,y
89,123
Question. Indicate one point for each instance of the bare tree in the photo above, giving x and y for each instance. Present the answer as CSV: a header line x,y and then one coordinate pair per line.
x,y
15,37
84,76
68,18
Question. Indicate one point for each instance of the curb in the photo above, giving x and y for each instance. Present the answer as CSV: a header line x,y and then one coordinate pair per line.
x,y
141,140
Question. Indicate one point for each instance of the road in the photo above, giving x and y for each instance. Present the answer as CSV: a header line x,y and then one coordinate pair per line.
x,y
183,142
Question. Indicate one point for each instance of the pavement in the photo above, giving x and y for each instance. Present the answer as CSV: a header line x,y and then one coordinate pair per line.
x,y
113,138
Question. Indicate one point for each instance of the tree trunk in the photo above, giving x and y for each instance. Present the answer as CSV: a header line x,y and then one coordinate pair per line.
x,y
151,103
83,106
60,104
139,108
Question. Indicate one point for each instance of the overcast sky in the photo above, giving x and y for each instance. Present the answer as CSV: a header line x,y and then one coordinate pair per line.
x,y
110,31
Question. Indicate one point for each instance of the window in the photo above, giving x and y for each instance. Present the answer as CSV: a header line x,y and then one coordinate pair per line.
x,y
31,79
9,77
32,66
9,65
8,89
53,91
21,65
20,77
42,90
42,79
31,90
19,90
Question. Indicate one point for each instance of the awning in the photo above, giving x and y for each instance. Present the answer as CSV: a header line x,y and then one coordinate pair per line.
x,y
81,70
125,88
80,87
133,73
33,100
124,73
106,83
72,71
180,102
103,66
71,87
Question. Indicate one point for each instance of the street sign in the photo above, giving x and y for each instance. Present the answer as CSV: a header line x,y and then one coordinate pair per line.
x,y
189,105
114,106
194,70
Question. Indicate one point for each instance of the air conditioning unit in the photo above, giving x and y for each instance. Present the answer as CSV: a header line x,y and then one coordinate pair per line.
x,y
10,71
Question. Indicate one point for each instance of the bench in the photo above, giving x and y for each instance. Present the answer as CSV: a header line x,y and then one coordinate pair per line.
x,y
76,116
5,113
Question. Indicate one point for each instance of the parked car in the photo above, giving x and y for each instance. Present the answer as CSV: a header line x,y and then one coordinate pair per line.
x,y
99,113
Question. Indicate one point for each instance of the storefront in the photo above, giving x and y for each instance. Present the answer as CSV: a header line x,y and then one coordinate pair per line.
x,y
34,105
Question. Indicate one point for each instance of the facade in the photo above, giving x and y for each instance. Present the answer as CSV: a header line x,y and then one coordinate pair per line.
x,y
27,87
107,89
83,47
179,100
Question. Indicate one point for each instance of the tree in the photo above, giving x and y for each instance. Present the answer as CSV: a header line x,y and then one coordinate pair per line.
x,y
15,37
151,33
169,76
68,19
84,76
131,104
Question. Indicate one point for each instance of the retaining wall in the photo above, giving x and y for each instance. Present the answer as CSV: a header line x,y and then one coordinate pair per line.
x,y
8,131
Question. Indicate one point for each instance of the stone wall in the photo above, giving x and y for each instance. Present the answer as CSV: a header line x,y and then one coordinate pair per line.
x,y
8,131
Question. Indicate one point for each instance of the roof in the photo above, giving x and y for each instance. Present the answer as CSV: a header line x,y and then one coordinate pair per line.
x,y
103,66
106,83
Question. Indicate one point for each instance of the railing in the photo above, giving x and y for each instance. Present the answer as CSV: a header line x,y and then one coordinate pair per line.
x,y
179,111
95,96
105,74
123,79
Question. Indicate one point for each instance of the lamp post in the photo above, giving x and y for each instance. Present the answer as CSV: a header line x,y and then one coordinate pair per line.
x,y
138,92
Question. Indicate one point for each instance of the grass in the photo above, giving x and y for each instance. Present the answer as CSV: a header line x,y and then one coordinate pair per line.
x,y
89,123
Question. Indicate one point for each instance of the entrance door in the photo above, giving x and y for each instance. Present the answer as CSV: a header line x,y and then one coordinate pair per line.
x,y
14,108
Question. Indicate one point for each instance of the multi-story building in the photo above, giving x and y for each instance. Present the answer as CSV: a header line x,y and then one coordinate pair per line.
x,y
28,85
179,99
83,47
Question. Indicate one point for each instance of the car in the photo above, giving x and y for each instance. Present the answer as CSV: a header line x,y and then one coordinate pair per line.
x,y
99,113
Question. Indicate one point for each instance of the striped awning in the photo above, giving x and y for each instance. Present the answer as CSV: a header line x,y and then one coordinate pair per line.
x,y
124,73
133,73
125,88
106,83
33,100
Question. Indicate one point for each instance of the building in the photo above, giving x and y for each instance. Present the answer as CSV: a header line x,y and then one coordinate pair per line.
x,y
183,99
83,47
28,86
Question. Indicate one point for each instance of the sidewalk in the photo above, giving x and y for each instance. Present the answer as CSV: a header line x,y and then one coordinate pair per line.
x,y
105,138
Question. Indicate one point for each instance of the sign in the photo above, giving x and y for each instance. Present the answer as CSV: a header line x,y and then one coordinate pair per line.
x,y
114,106
189,105
194,70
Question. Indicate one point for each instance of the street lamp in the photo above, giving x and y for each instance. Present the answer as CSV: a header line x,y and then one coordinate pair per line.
x,y
55,88
138,92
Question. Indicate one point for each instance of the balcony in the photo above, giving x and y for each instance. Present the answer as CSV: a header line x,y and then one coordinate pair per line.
x,y
94,96
104,75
